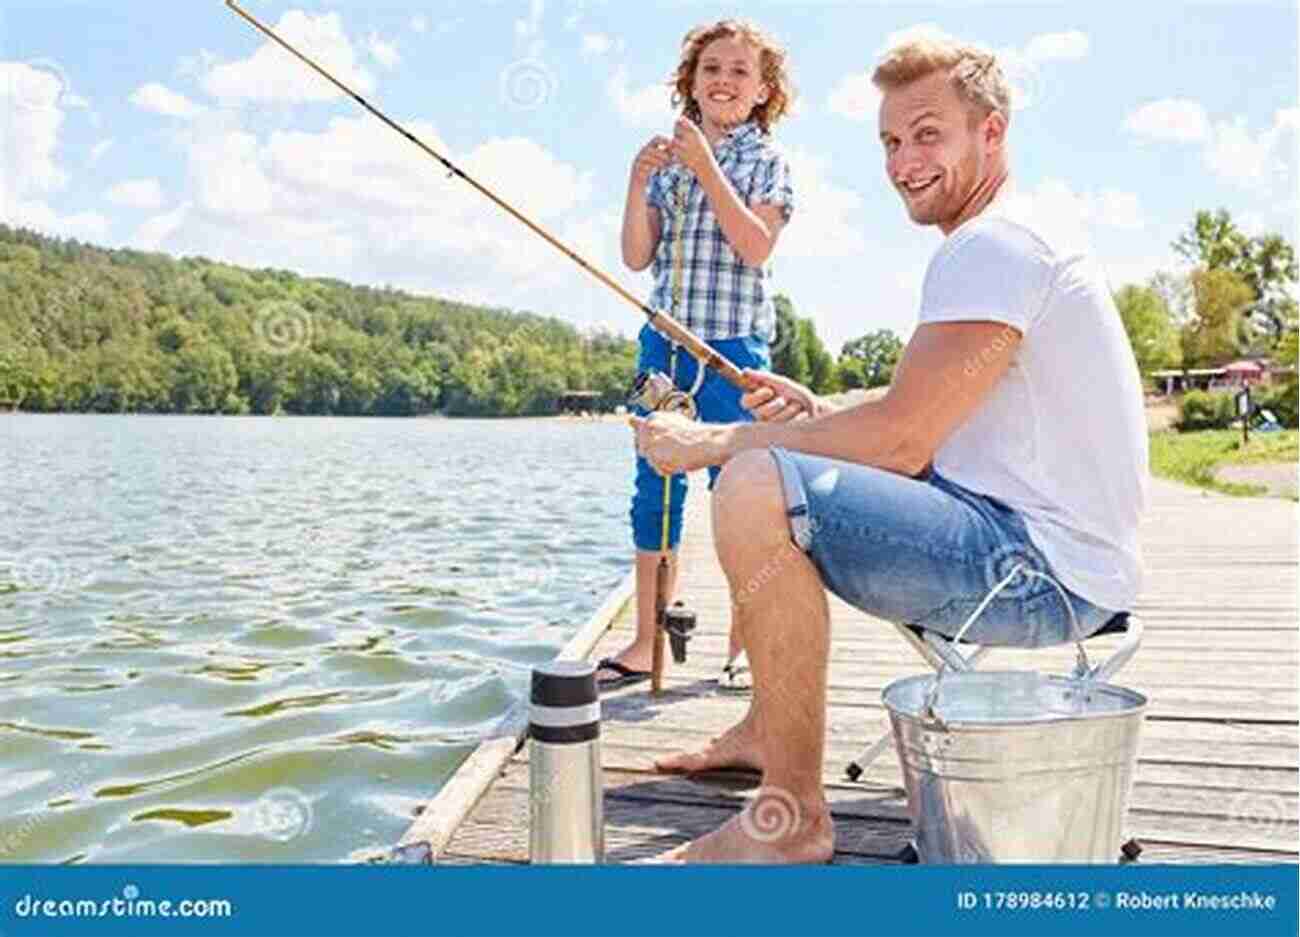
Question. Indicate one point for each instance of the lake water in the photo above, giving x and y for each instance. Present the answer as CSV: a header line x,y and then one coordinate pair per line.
x,y
272,639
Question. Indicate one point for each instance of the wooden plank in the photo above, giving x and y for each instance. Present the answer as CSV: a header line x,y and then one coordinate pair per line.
x,y
868,822
433,828
1216,778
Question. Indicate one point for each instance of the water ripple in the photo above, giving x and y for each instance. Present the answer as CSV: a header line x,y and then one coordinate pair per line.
x,y
214,631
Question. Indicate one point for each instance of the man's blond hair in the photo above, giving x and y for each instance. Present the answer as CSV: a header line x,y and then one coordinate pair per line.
x,y
975,72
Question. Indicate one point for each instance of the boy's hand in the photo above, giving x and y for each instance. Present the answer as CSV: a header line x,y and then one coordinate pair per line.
x,y
778,399
690,147
652,157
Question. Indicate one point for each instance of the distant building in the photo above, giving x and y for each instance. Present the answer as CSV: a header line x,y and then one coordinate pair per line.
x,y
577,401
1243,373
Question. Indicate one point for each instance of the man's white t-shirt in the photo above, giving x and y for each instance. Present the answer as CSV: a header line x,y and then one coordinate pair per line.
x,y
1061,438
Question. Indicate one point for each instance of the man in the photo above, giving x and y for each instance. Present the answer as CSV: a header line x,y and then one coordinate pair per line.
x,y
1012,437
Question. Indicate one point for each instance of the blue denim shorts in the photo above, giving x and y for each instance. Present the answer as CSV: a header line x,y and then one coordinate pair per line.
x,y
925,552
717,402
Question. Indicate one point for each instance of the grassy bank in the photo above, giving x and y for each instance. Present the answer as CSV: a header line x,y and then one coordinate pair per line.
x,y
1193,457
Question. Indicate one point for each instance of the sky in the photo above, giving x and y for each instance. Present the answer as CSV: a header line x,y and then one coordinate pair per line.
x,y
178,128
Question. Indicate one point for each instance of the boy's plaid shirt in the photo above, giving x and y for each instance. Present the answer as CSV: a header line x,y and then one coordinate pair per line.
x,y
722,296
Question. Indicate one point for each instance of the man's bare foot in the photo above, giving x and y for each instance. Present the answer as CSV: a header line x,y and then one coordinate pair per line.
x,y
772,829
737,748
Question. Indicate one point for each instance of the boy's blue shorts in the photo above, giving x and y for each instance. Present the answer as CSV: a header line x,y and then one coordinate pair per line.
x,y
717,402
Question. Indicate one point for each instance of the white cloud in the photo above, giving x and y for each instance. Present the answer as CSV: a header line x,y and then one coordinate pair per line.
x,y
227,176
155,230
907,34
136,193
383,52
1263,161
598,44
420,23
827,219
346,202
647,108
1253,161
1073,218
855,98
30,100
272,74
38,215
1115,209
159,99
196,66
1047,47
1177,119
98,150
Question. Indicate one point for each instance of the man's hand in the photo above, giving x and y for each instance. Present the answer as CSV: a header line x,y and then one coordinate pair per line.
x,y
671,443
779,399
691,148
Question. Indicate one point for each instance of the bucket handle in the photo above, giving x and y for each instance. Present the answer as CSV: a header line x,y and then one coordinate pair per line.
x,y
1082,667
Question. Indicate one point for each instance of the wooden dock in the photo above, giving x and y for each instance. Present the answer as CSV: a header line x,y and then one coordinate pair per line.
x,y
1217,775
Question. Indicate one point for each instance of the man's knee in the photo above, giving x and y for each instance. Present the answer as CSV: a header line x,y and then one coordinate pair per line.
x,y
748,492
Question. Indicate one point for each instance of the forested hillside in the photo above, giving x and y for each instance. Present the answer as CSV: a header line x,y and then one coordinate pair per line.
x,y
88,329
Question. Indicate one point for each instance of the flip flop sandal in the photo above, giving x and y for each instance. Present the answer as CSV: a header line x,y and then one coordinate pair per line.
x,y
735,674
626,675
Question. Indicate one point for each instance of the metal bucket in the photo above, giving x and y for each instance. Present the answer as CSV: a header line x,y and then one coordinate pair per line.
x,y
1015,766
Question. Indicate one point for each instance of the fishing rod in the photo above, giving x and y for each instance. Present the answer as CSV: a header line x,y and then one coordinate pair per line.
x,y
661,321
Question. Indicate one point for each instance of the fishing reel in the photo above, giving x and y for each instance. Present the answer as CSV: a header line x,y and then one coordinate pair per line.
x,y
655,391
679,622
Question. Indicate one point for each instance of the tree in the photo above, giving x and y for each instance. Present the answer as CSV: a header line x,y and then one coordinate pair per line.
x,y
1266,264
789,353
1210,338
821,366
1150,328
869,361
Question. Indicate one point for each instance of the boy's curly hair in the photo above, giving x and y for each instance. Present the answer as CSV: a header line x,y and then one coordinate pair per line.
x,y
772,65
